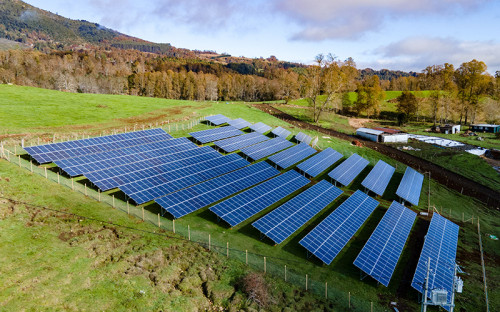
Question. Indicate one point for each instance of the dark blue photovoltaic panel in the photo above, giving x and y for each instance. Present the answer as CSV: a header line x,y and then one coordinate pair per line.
x,y
329,237
320,162
441,246
260,127
150,188
240,141
302,137
347,171
281,132
240,207
293,155
185,201
218,119
116,176
94,162
266,148
411,185
211,135
381,253
378,179
57,151
239,123
282,222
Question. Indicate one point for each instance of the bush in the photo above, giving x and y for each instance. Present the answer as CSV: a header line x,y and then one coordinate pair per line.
x,y
255,286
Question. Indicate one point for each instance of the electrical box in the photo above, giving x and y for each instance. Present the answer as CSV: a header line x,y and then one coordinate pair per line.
x,y
460,285
439,296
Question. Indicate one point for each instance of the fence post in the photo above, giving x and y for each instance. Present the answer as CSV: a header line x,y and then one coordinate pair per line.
x,y
209,242
113,200
306,282
349,300
227,249
15,149
246,256
189,233
128,207
173,225
326,290
31,165
285,272
19,157
159,222
85,188
371,306
142,213
264,264
58,178
72,184
99,195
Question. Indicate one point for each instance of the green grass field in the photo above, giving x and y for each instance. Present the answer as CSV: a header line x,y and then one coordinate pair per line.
x,y
108,277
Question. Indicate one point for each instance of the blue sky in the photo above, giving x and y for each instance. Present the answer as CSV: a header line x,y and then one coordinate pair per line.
x,y
394,34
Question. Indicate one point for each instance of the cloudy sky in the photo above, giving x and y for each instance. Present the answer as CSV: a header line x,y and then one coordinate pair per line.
x,y
393,34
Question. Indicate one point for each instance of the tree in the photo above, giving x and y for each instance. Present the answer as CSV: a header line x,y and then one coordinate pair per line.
x,y
407,105
369,95
471,83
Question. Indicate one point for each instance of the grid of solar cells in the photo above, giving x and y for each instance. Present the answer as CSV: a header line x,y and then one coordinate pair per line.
x,y
381,253
144,190
302,137
411,185
241,141
329,237
238,208
116,176
282,222
378,179
218,119
93,162
347,171
260,127
266,148
200,195
211,135
239,123
441,246
51,152
320,162
293,155
281,132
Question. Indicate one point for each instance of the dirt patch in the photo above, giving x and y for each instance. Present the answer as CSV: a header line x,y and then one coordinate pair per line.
x,y
358,122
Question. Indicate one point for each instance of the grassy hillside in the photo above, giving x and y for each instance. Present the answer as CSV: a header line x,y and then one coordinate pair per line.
x,y
342,277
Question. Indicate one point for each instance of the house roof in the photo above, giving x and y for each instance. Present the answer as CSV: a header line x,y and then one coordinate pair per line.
x,y
388,130
370,131
485,125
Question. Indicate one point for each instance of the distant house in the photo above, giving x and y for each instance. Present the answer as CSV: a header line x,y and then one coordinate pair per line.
x,y
386,135
449,129
485,128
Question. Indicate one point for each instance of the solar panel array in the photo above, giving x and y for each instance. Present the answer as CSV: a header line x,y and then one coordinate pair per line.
x,y
441,246
200,195
152,187
302,137
240,141
218,119
211,135
260,127
282,222
320,162
378,179
381,253
293,155
242,206
411,185
329,237
99,161
266,148
116,176
347,171
51,152
281,132
239,123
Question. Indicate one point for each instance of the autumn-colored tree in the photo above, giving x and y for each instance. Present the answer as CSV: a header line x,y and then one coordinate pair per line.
x,y
471,83
369,95
406,106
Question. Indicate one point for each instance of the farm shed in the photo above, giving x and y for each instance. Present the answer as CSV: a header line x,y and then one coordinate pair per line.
x,y
395,138
450,129
379,135
485,128
370,134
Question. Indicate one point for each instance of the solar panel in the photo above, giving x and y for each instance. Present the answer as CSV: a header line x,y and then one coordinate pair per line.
x,y
260,127
93,162
378,179
347,171
411,185
266,148
320,162
239,123
144,190
211,135
110,178
250,202
218,119
379,256
293,155
302,137
441,246
282,222
56,151
329,237
281,132
240,141
200,195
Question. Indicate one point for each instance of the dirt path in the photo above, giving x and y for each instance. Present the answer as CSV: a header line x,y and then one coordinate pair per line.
x,y
358,122
444,176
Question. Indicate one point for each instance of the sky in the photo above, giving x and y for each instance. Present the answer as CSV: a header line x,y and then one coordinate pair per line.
x,y
406,35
